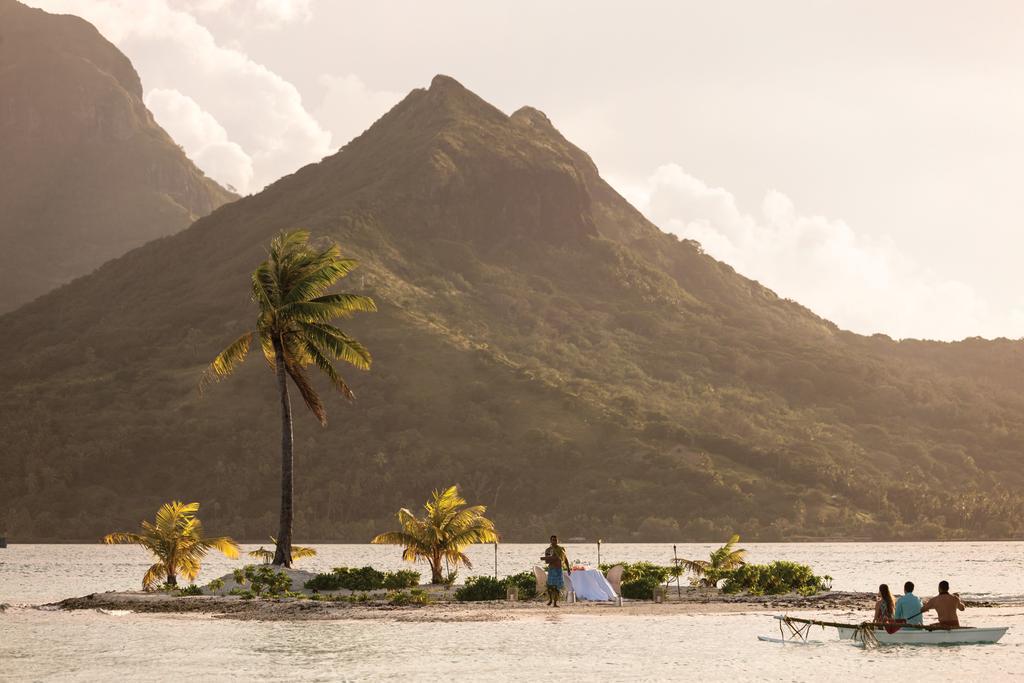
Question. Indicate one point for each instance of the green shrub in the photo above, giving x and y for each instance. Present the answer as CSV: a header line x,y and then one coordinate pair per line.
x,y
480,588
403,578
777,578
416,596
216,584
488,588
641,571
362,579
190,590
263,580
525,583
640,588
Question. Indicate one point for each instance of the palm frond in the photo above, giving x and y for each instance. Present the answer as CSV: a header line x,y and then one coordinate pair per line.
x,y
123,537
154,575
337,343
327,308
309,395
263,555
328,369
226,361
327,269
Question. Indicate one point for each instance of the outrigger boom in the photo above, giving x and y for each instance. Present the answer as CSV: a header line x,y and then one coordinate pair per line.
x,y
872,633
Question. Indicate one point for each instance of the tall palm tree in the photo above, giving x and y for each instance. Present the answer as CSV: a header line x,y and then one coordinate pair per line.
x,y
176,539
294,331
723,559
445,529
267,556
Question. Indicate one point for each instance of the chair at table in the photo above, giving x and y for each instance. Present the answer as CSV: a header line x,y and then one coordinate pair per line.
x,y
542,580
614,577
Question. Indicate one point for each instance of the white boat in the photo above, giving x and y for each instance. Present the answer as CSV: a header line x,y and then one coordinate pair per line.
x,y
901,634
919,636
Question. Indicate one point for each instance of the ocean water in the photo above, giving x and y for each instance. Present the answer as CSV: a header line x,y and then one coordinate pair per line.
x,y
92,645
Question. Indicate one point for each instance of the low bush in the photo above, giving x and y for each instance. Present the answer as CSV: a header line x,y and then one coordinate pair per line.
x,y
777,578
263,581
363,579
640,589
524,582
190,590
479,588
641,571
416,596
216,584
488,588
403,578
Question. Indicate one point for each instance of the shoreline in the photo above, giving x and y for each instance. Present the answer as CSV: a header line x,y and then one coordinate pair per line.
x,y
298,609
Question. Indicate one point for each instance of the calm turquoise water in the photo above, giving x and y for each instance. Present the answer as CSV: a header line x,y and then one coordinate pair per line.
x,y
37,644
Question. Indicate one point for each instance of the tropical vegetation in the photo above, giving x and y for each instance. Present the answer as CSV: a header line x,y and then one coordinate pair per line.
x,y
725,559
294,330
298,552
363,579
177,541
447,527
479,588
777,578
262,580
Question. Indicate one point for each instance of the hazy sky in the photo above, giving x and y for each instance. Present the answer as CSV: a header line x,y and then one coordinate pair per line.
x,y
863,158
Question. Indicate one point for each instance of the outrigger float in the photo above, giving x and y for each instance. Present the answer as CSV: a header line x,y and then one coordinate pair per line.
x,y
796,630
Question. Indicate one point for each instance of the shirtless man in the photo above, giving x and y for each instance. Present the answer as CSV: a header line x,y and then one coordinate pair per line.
x,y
945,605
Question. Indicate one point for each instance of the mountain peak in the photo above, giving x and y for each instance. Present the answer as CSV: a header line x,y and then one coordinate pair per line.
x,y
444,82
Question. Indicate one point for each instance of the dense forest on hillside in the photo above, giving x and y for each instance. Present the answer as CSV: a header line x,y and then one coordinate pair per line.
x,y
539,343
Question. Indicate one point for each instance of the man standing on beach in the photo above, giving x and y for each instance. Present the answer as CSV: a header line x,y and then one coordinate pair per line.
x,y
556,559
908,607
945,606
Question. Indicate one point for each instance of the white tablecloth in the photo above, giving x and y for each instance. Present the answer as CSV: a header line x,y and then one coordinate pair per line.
x,y
590,584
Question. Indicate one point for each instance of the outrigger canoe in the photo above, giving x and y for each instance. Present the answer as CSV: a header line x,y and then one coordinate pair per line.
x,y
870,633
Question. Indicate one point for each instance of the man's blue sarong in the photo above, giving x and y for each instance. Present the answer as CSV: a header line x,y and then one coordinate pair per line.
x,y
555,577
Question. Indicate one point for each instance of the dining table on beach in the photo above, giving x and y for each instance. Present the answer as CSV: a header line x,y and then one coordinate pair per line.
x,y
590,584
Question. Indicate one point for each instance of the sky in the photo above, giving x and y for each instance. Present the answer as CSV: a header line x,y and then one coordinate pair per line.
x,y
864,158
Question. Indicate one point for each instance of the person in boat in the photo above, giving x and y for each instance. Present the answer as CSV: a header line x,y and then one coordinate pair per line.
x,y
555,558
909,606
885,607
946,606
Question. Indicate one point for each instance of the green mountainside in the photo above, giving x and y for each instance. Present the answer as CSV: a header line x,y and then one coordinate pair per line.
x,y
539,343
86,174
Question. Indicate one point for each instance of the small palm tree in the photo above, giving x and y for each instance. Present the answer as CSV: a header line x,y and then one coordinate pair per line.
x,y
294,331
176,540
445,529
267,556
723,559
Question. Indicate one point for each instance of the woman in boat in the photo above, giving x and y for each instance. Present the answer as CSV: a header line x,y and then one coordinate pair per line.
x,y
885,608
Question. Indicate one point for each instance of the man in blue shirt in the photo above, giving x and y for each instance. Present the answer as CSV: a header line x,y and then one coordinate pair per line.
x,y
909,606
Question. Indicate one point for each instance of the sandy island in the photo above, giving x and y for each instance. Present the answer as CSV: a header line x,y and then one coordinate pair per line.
x,y
443,607
447,610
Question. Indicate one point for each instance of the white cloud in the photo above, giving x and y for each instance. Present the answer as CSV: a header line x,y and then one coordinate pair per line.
x,y
260,112
202,136
349,107
253,13
865,285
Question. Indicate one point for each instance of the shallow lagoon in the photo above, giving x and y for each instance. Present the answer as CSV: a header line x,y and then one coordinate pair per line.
x,y
87,645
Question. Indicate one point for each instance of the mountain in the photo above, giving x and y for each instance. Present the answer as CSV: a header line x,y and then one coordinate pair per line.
x,y
538,342
86,174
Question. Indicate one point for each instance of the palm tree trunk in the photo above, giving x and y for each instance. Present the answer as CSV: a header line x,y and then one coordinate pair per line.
x,y
435,570
283,552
